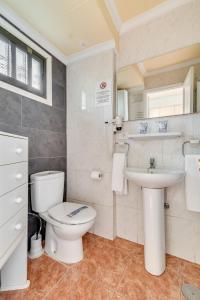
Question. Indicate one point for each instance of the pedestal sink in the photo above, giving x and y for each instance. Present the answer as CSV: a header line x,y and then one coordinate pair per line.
x,y
153,182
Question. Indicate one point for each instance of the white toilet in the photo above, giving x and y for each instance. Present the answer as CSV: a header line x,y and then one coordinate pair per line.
x,y
63,232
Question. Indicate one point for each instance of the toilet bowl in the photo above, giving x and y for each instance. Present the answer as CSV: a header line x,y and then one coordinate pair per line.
x,y
64,231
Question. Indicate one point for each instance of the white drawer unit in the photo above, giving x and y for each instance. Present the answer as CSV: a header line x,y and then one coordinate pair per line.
x,y
13,211
12,176
12,229
13,149
12,202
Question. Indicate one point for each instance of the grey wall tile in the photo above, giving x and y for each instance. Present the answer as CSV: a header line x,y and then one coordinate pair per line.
x,y
46,143
58,96
10,108
41,116
59,72
57,163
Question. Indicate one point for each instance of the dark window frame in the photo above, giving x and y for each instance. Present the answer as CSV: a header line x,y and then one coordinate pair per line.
x,y
16,43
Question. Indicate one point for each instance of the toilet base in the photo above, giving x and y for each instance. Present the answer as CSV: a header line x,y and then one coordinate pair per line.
x,y
67,251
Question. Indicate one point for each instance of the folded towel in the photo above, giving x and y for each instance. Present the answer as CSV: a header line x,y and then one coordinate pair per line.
x,y
119,182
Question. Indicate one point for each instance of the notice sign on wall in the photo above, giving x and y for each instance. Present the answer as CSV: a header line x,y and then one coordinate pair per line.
x,y
103,94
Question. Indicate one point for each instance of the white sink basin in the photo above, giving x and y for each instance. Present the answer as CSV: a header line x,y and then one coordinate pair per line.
x,y
154,178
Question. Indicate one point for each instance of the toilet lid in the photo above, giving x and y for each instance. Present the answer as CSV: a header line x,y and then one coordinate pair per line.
x,y
62,211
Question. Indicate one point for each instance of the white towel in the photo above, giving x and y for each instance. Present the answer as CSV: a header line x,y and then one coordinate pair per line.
x,y
119,182
192,182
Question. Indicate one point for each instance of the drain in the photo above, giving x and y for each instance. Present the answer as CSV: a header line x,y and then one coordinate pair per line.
x,y
190,292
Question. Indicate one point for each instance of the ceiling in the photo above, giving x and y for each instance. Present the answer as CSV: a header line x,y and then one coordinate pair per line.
x,y
133,75
179,56
129,9
75,25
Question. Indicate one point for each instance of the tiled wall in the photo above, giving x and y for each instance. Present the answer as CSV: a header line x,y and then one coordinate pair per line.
x,y
44,125
182,226
89,140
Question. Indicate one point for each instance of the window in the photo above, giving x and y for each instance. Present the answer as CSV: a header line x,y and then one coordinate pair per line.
x,y
20,65
166,102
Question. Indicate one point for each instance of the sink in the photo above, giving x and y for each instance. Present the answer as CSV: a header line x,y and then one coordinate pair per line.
x,y
153,183
153,178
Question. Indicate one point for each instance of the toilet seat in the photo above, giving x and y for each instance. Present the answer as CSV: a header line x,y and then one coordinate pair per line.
x,y
61,211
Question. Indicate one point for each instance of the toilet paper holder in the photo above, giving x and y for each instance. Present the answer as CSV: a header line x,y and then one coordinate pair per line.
x,y
193,141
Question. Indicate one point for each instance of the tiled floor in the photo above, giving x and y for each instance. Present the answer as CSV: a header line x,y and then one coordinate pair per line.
x,y
111,270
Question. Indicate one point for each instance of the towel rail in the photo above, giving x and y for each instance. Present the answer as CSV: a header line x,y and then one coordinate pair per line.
x,y
122,144
188,142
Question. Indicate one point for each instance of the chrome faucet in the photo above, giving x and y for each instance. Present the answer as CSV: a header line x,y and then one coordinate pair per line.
x,y
152,163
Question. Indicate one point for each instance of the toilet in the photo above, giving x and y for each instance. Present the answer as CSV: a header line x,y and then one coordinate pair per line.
x,y
64,232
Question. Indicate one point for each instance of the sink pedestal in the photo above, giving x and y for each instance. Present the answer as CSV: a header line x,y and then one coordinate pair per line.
x,y
154,230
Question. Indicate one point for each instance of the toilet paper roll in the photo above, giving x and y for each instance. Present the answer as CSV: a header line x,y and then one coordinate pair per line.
x,y
96,175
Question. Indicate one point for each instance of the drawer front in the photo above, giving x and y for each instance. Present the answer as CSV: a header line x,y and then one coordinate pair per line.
x,y
12,202
13,150
12,176
12,229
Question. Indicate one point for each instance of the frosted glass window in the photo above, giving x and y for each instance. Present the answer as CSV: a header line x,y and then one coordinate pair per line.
x,y
21,66
36,74
5,56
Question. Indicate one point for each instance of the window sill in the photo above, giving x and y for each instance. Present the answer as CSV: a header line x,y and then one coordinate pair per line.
x,y
24,93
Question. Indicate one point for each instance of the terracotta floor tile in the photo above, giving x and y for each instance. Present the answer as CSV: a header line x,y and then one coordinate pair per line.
x,y
43,273
190,273
125,244
110,270
11,295
61,291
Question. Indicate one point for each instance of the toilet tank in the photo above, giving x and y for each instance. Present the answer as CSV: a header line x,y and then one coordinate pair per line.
x,y
46,190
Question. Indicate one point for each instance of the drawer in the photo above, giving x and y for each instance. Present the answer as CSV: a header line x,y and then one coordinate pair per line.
x,y
13,150
12,202
11,230
12,176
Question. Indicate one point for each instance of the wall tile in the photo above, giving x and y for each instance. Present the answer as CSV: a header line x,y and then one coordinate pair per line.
x,y
58,72
41,116
180,238
104,221
58,96
46,143
10,108
89,145
127,223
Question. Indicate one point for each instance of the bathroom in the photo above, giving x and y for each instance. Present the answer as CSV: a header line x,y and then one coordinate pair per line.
x,y
72,130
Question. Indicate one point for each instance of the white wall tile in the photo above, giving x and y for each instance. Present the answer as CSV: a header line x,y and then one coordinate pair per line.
x,y
180,238
89,140
127,223
104,223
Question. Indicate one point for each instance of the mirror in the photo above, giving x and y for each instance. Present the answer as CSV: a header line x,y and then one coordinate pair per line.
x,y
162,86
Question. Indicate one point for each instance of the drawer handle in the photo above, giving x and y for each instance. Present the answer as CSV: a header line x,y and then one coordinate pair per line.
x,y
18,176
19,227
18,150
18,200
